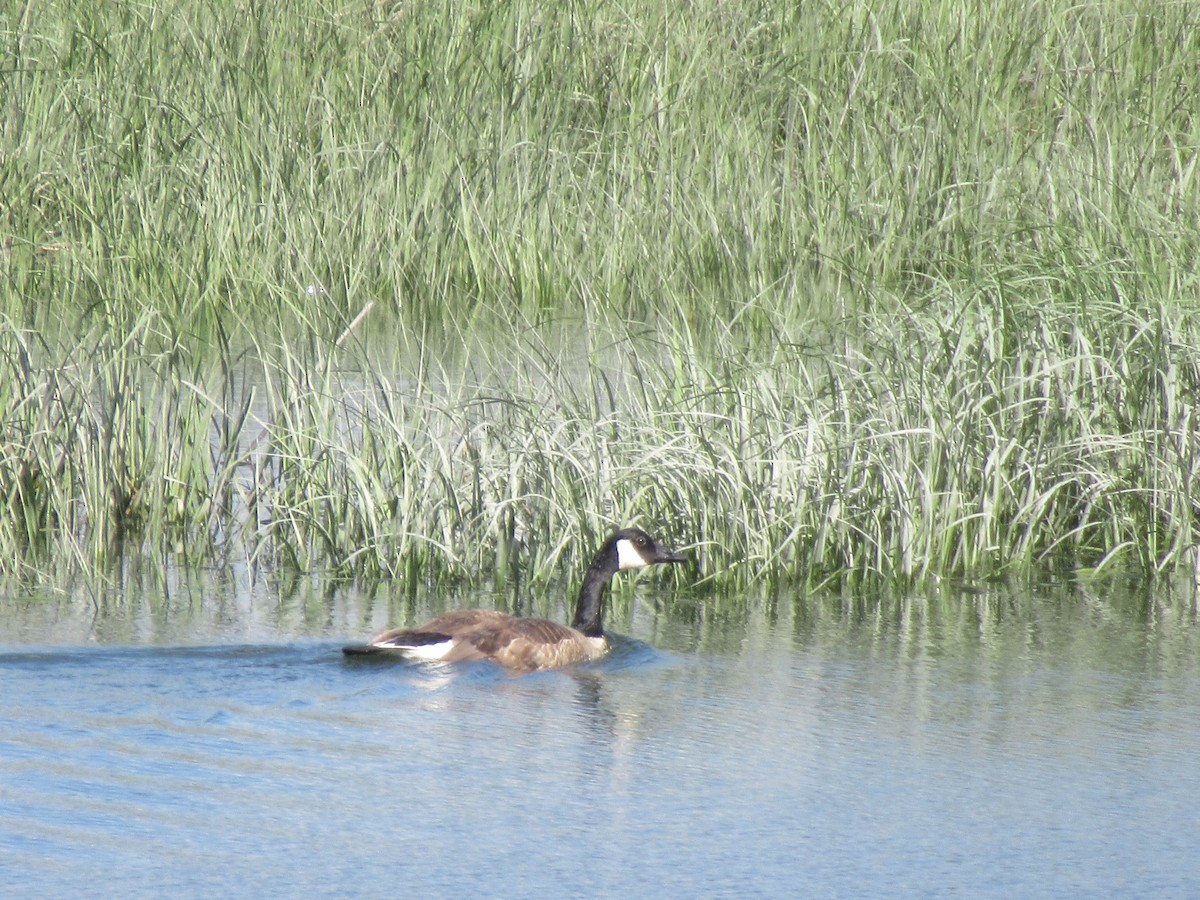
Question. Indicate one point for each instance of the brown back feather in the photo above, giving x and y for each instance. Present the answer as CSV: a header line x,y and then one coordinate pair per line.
x,y
525,655
458,621
518,643
526,644
450,624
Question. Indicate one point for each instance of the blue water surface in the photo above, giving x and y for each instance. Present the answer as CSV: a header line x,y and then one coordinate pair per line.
x,y
811,750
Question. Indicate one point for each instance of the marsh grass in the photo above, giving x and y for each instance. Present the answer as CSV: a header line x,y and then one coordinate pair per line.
x,y
739,160
987,437
886,291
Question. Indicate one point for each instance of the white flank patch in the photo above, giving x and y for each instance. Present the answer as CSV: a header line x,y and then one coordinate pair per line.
x,y
422,651
598,645
628,556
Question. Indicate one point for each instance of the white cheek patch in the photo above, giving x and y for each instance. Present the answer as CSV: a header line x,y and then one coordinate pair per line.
x,y
628,556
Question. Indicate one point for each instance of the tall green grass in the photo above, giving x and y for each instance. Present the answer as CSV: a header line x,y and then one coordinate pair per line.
x,y
988,436
729,157
888,290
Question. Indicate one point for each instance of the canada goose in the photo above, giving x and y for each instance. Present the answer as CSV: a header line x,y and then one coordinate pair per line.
x,y
527,644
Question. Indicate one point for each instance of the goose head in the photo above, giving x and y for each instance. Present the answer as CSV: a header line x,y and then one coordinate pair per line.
x,y
635,549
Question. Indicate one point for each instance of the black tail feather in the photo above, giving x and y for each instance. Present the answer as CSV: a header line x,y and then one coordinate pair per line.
x,y
362,650
401,639
398,641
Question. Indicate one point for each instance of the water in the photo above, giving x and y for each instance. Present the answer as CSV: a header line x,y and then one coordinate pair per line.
x,y
981,745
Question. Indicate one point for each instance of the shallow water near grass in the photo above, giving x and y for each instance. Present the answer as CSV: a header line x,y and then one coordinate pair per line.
x,y
985,744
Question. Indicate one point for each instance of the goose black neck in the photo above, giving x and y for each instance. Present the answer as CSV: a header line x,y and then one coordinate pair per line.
x,y
589,610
